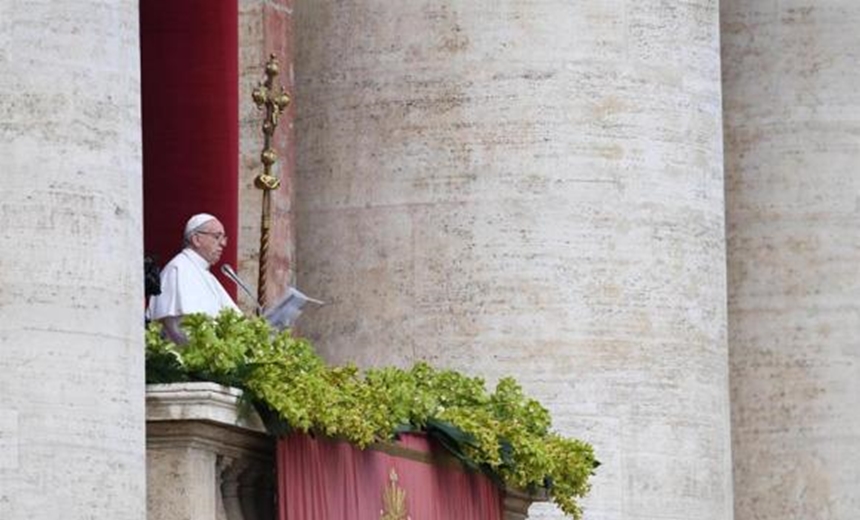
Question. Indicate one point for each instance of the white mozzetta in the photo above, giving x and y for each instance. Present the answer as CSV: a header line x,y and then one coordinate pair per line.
x,y
792,109
71,343
533,189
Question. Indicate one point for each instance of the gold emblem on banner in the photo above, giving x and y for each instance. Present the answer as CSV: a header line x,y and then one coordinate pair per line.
x,y
394,500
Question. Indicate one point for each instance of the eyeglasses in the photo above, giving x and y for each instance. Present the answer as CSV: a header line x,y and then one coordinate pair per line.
x,y
217,236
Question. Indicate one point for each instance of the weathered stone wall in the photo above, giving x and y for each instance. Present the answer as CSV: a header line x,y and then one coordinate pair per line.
x,y
71,291
792,151
265,27
530,189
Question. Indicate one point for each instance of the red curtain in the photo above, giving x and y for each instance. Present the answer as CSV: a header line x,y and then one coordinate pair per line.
x,y
327,480
190,96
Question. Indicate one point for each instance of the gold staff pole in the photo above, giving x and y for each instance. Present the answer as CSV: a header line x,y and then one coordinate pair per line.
x,y
274,102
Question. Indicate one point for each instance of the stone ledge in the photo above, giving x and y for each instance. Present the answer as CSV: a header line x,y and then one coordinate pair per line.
x,y
516,503
207,402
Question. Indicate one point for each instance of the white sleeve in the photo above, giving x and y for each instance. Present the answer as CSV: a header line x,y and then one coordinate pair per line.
x,y
168,303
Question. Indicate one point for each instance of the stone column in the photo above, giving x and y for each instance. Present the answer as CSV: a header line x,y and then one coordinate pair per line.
x,y
792,113
533,189
71,298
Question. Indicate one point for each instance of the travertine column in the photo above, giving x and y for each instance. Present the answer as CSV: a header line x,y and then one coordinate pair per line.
x,y
532,189
71,352
792,112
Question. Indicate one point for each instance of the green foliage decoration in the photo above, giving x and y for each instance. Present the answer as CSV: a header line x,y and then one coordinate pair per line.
x,y
503,433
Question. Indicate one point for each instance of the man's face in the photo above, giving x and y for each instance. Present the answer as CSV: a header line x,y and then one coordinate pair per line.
x,y
209,241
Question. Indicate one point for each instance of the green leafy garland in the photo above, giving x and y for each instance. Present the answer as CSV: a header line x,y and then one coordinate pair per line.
x,y
505,434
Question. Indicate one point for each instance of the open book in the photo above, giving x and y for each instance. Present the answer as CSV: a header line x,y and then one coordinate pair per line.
x,y
283,314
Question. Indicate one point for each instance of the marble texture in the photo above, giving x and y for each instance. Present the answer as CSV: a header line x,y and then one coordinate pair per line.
x,y
792,117
532,189
71,290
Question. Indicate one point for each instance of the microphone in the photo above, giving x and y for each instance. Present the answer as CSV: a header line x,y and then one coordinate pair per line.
x,y
231,274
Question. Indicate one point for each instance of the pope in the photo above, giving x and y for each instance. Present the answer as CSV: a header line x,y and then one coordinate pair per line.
x,y
187,286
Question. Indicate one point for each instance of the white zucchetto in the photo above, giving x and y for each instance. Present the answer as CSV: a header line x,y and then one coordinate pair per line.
x,y
195,222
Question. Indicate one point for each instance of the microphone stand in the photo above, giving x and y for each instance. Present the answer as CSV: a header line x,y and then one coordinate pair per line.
x,y
231,274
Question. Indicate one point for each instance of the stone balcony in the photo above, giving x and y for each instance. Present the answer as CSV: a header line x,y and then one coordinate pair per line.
x,y
210,458
207,458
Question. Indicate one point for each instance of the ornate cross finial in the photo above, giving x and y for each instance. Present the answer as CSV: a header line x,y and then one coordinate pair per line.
x,y
266,97
274,102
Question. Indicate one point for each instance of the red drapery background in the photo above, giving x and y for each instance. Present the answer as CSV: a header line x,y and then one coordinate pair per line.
x,y
327,480
190,96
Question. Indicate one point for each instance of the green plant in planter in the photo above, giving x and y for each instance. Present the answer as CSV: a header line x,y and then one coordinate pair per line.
x,y
503,433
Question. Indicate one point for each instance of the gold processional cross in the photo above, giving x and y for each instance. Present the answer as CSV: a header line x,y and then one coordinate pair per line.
x,y
274,102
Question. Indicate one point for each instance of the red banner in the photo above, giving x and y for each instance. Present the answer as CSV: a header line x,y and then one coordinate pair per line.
x,y
321,479
190,104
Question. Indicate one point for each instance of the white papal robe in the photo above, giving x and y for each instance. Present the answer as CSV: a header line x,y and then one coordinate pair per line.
x,y
187,287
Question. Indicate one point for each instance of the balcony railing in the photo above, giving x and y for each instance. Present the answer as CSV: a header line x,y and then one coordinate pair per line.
x,y
209,457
